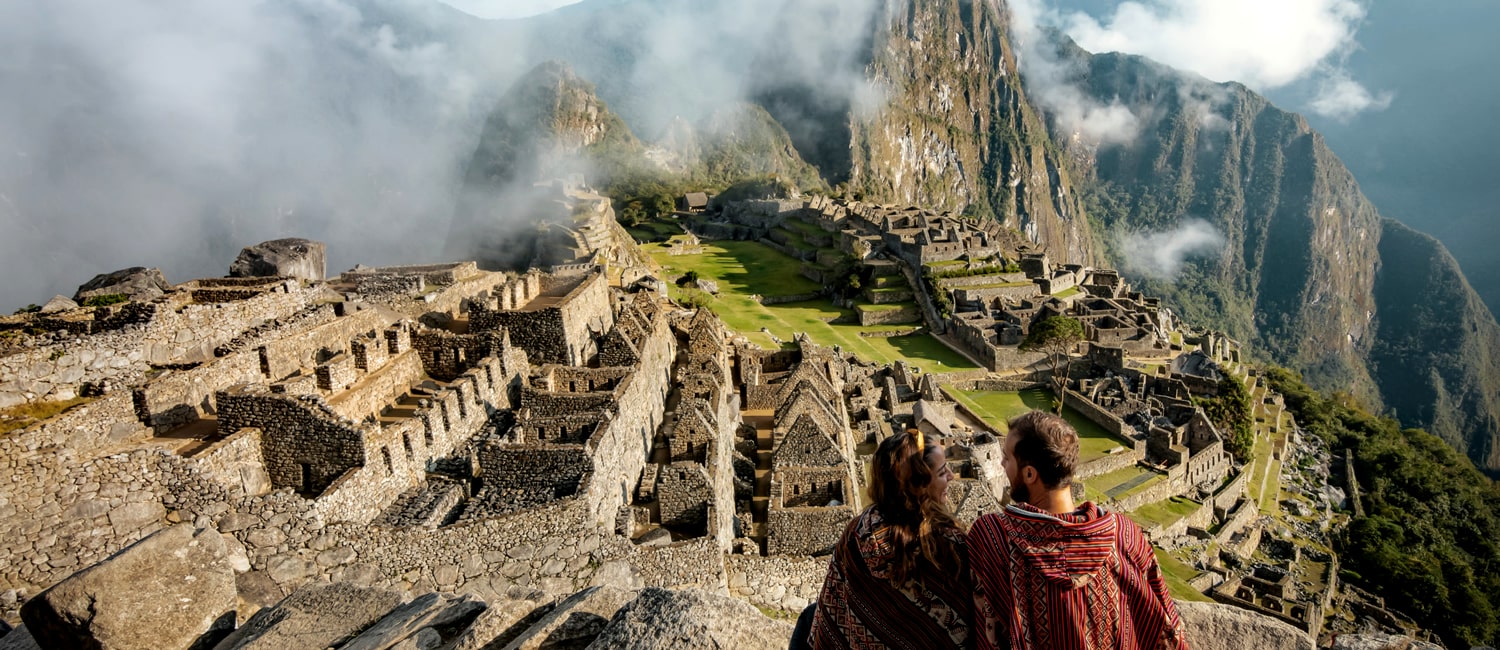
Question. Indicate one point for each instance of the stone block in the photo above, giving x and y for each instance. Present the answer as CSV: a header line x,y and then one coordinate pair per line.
x,y
132,516
317,616
436,617
162,592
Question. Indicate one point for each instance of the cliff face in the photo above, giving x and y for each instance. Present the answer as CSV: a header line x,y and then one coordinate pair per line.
x,y
1309,273
942,121
1437,347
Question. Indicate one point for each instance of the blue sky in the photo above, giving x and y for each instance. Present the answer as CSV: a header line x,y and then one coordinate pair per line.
x,y
507,8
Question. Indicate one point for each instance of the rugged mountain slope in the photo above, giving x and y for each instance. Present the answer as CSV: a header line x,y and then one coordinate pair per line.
x,y
941,120
549,125
1437,348
1309,273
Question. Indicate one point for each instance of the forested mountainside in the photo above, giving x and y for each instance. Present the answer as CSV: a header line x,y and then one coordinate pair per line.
x,y
1310,274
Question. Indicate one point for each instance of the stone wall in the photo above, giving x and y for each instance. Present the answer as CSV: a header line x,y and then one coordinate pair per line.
x,y
306,445
805,531
685,494
178,397
1107,464
784,583
980,280
379,389
620,450
1161,491
300,347
237,461
192,331
555,329
516,478
987,294
1098,415
56,371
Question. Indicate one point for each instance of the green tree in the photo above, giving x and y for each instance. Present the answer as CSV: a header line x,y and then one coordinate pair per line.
x,y
1057,336
1233,413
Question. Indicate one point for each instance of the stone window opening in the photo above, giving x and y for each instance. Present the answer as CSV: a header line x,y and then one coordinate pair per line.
x,y
406,441
796,490
427,434
385,452
307,477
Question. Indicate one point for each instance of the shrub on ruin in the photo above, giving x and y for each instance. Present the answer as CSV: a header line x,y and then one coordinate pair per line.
x,y
1234,415
106,300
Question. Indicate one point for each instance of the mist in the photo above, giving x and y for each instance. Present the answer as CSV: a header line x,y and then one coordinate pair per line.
x,y
142,133
1051,81
1161,255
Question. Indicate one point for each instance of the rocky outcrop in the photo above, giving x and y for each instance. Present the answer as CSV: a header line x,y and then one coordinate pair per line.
x,y
163,592
1377,641
954,129
1211,626
58,304
574,622
317,616
282,258
136,283
692,618
427,622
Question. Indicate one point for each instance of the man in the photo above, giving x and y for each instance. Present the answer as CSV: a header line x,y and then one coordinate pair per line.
x,y
1048,574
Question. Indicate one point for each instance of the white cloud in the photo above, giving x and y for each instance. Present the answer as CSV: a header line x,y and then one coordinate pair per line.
x,y
1265,44
500,9
1162,254
1341,98
1050,82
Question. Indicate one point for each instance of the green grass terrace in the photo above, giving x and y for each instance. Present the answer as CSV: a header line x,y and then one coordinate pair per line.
x,y
1121,483
746,269
1177,574
1164,513
997,408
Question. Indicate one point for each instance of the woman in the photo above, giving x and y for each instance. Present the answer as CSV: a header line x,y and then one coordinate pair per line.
x,y
898,577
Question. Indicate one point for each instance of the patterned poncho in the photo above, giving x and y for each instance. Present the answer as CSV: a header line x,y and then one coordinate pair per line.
x,y
861,607
1084,580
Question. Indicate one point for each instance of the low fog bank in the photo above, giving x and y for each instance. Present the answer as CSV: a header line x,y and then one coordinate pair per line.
x,y
144,134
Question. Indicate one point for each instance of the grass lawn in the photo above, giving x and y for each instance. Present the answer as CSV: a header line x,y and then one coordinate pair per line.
x,y
997,408
1177,576
890,306
1124,482
21,416
804,227
1164,513
744,269
1067,293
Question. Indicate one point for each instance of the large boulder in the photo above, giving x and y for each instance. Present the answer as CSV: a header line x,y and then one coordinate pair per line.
x,y
1379,641
286,258
316,616
659,619
136,283
1211,626
164,591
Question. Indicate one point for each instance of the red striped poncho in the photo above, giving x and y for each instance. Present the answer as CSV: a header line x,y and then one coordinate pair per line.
x,y
861,607
1084,580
